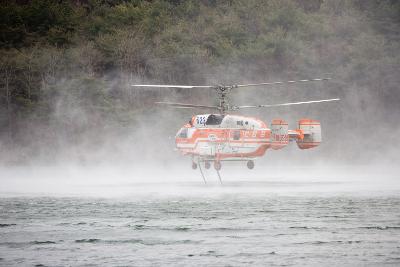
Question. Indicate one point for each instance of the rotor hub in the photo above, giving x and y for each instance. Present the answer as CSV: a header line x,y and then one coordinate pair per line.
x,y
222,92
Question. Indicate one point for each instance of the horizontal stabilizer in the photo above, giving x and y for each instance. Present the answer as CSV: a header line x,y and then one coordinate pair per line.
x,y
295,135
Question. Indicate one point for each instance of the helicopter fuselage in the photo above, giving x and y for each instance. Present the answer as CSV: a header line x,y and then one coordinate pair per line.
x,y
228,137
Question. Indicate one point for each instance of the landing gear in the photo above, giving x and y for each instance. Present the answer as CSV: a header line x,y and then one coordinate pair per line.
x,y
217,165
194,165
250,164
201,171
207,165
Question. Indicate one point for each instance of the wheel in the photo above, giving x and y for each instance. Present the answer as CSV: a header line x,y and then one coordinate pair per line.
x,y
250,164
194,165
207,165
217,165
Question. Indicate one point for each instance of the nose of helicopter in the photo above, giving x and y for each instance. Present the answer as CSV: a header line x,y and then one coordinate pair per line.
x,y
182,133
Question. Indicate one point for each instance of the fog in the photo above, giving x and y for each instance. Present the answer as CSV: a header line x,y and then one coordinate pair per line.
x,y
80,150
359,152
180,181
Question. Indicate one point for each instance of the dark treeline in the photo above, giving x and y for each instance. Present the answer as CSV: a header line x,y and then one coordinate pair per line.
x,y
66,66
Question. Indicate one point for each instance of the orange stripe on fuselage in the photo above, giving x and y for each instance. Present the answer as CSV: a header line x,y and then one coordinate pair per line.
x,y
226,135
258,136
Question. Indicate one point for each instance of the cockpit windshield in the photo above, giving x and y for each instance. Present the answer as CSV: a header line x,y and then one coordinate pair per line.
x,y
214,119
183,133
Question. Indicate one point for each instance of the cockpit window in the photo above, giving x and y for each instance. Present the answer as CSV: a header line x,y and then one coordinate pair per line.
x,y
183,133
214,119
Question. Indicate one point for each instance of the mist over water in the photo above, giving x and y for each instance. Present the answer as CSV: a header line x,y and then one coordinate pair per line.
x,y
179,180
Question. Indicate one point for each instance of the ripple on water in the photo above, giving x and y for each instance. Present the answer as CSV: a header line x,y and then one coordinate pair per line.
x,y
380,227
137,241
284,230
7,224
307,227
42,242
88,240
318,242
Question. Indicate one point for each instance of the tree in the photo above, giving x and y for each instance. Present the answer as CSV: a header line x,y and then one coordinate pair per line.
x,y
7,75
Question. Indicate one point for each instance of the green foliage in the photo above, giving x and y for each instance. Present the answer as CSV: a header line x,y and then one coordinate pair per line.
x,y
39,21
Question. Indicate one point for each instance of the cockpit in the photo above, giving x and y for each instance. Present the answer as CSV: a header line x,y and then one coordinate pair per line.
x,y
206,120
214,119
183,133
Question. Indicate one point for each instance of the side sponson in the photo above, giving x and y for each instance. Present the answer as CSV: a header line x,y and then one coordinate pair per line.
x,y
311,130
279,134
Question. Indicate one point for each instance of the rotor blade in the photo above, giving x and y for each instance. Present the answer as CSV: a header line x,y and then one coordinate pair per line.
x,y
183,105
280,83
288,104
172,86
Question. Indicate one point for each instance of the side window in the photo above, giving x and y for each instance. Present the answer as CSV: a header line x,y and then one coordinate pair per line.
x,y
183,133
236,135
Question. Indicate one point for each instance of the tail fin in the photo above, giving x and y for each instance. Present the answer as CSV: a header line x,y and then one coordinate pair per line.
x,y
312,133
279,134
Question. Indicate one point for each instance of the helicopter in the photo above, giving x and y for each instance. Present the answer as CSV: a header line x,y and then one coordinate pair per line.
x,y
220,136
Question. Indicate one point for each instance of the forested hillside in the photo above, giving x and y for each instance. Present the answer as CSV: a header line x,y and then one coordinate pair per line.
x,y
66,66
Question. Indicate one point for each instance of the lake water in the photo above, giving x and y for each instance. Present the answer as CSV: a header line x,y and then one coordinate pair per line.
x,y
275,220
